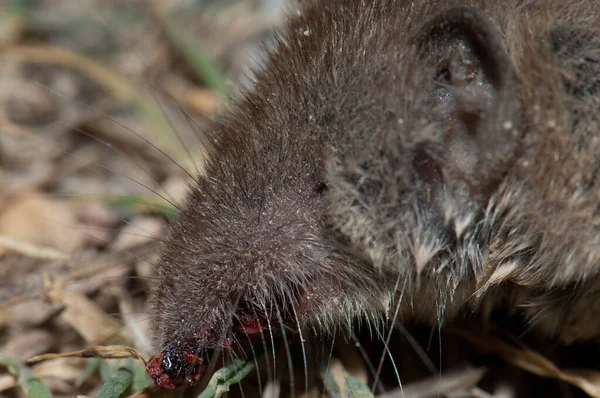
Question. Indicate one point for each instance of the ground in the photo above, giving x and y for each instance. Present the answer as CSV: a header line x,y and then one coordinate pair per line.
x,y
102,106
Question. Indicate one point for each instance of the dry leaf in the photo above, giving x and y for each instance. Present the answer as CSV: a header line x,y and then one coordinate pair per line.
x,y
65,369
140,230
353,361
90,321
201,100
29,343
29,249
7,382
450,381
525,358
101,351
39,220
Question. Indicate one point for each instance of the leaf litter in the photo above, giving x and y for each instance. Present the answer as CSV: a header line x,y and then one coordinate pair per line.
x,y
101,102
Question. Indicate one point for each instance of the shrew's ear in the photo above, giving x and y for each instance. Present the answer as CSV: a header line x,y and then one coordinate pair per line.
x,y
475,95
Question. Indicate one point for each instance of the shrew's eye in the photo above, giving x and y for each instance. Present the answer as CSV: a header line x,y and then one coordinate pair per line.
x,y
321,189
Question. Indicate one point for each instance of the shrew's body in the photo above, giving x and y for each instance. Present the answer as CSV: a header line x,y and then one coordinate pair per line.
x,y
427,155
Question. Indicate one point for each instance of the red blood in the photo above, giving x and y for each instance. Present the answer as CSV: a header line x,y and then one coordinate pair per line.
x,y
190,358
194,377
251,325
157,373
173,368
165,382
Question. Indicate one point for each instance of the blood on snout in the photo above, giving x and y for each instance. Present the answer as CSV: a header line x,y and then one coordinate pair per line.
x,y
251,325
172,368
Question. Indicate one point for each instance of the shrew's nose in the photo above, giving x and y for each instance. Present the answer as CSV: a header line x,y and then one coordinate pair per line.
x,y
175,367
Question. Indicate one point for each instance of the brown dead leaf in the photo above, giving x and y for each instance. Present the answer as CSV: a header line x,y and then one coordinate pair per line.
x,y
140,230
30,250
176,187
202,101
523,357
105,352
352,360
7,382
97,221
30,313
39,220
450,381
12,26
30,104
29,343
88,319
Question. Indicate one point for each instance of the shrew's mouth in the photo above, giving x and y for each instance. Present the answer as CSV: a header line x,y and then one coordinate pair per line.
x,y
183,365
175,367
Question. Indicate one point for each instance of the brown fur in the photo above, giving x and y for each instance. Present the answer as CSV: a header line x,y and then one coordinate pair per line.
x,y
458,142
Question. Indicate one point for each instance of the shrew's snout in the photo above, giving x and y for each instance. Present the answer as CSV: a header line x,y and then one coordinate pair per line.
x,y
183,364
175,367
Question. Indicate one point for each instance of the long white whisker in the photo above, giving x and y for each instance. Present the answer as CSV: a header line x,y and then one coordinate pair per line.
x,y
330,355
441,311
255,358
272,342
287,352
236,356
123,126
303,350
387,340
153,90
367,360
418,349
179,140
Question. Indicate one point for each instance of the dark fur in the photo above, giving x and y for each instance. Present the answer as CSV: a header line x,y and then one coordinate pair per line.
x,y
433,154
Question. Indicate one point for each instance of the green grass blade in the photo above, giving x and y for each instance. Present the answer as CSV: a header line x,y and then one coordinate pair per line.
x,y
224,378
118,383
31,385
197,57
343,384
137,204
92,366
141,378
21,7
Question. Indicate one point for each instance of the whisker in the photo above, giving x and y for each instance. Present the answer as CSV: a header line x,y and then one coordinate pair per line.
x,y
108,30
79,197
255,362
303,348
274,375
330,356
83,228
287,352
116,315
108,336
367,360
387,340
171,202
418,349
192,122
242,353
235,355
109,279
140,339
214,359
112,147
180,138
441,310
391,356
157,101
